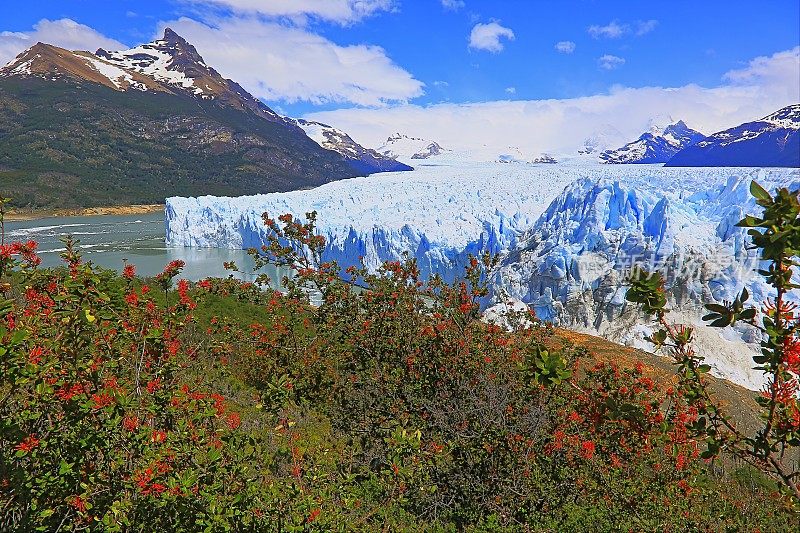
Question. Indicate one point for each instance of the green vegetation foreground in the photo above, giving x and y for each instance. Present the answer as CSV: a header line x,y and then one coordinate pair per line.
x,y
127,405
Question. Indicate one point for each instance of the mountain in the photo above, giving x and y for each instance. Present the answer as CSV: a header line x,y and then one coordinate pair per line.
x,y
399,146
545,159
362,159
79,130
603,138
656,146
773,141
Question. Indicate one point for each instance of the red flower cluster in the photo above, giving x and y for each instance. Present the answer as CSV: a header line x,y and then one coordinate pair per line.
x,y
129,272
28,443
27,251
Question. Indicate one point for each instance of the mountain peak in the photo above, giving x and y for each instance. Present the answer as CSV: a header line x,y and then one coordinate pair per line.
x,y
786,117
656,146
773,141
171,37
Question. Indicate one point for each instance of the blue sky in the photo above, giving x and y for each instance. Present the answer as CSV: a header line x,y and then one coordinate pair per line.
x,y
356,57
691,42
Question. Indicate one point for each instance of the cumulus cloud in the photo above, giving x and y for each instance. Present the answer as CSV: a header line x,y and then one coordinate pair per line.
x,y
340,11
779,68
489,36
610,62
643,27
287,63
565,47
612,30
65,33
511,90
453,5
560,126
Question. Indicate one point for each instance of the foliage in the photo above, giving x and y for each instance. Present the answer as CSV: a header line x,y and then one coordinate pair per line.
x,y
387,405
774,447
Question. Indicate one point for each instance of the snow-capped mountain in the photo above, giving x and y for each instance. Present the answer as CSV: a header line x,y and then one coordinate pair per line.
x,y
603,138
773,141
51,62
399,146
656,146
363,159
160,102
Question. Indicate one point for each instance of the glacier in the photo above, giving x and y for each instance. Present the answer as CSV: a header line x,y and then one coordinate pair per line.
x,y
567,235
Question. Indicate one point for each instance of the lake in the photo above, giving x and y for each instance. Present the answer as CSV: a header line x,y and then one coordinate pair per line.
x,y
109,240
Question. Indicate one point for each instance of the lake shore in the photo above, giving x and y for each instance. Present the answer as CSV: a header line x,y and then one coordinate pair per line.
x,y
36,214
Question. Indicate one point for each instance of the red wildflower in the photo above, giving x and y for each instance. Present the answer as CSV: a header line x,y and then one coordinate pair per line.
x,y
158,436
129,272
233,420
36,355
29,443
67,392
132,299
154,385
587,449
101,400
313,515
130,423
78,503
791,354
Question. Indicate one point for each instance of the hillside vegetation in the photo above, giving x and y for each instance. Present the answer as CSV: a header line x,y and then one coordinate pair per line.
x,y
154,405
68,143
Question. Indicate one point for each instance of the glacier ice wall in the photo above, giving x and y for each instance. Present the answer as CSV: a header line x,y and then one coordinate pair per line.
x,y
567,234
438,214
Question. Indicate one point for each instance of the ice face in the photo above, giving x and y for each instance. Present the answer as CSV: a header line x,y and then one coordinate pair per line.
x,y
567,234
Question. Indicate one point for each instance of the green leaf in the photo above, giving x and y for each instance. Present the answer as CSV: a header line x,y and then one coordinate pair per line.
x,y
759,192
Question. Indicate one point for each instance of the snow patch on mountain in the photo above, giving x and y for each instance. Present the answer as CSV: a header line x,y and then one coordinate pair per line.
x,y
655,146
363,159
773,141
120,78
403,147
155,61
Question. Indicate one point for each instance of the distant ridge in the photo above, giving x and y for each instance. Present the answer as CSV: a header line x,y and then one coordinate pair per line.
x,y
773,141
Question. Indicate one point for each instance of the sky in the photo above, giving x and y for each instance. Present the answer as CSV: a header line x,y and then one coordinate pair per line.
x,y
543,73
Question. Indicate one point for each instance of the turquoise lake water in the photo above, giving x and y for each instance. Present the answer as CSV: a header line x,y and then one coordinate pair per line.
x,y
108,240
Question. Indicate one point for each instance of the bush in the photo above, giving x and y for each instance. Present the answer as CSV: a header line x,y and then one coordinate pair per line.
x,y
386,406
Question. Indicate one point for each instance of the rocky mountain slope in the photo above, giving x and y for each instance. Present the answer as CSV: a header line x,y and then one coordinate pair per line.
x,y
131,127
655,146
364,159
773,141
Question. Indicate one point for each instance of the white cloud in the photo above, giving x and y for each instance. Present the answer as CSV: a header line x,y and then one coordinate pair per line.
x,y
609,62
612,30
780,68
341,11
560,126
441,84
565,47
65,33
511,90
488,36
278,62
643,27
453,4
